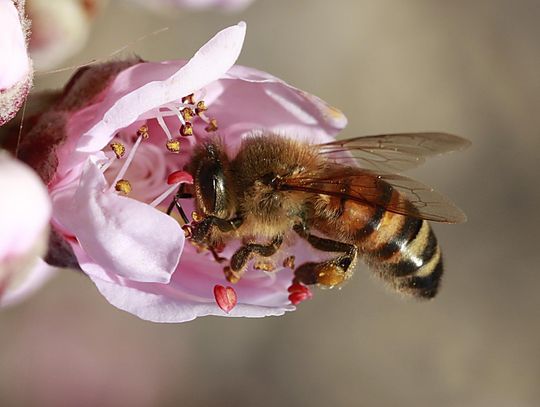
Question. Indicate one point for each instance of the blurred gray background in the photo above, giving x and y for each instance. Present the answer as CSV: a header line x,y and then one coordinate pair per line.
x,y
467,67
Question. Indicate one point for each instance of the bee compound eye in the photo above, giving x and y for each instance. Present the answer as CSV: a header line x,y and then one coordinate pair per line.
x,y
207,184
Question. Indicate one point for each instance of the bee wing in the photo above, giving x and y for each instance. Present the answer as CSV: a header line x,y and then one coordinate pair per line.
x,y
393,152
392,192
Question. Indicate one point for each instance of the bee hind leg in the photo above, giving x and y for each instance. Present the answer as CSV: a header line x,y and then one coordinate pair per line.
x,y
328,273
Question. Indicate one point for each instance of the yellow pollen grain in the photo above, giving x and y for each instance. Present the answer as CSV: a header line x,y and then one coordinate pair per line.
x,y
123,186
118,148
289,262
143,131
196,216
201,107
188,99
264,265
187,114
212,126
186,130
173,146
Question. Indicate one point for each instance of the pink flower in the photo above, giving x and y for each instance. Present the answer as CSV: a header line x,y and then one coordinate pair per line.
x,y
60,29
15,66
136,254
25,211
227,5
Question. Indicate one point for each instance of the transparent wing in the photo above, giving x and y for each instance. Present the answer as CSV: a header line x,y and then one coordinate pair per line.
x,y
394,193
393,152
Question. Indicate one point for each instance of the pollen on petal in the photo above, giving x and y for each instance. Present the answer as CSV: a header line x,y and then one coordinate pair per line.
x,y
123,186
212,126
186,129
264,265
118,148
225,297
173,146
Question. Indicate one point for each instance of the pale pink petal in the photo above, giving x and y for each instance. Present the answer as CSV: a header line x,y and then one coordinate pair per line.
x,y
121,234
25,208
34,279
14,63
190,292
137,90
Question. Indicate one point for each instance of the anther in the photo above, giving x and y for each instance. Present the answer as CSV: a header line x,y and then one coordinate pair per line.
x,y
264,265
143,131
189,99
289,262
118,148
123,186
225,297
196,216
186,129
178,177
187,114
173,146
298,293
201,107
212,126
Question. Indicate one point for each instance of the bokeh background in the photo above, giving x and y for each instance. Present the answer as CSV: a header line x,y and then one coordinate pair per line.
x,y
467,67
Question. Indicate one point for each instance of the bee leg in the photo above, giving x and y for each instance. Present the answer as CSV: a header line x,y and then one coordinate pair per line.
x,y
241,257
328,273
175,203
202,229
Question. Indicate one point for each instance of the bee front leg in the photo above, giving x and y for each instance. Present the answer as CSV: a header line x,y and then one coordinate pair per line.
x,y
327,273
241,257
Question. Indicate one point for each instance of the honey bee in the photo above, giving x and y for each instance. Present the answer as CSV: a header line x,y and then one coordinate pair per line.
x,y
275,186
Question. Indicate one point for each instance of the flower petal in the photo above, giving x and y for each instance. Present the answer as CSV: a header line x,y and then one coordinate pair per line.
x,y
158,83
33,280
120,234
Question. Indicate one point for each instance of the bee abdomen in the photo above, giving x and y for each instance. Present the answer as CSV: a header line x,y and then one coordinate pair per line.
x,y
404,252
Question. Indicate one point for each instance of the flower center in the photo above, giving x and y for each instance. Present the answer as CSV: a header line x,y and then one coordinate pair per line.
x,y
140,165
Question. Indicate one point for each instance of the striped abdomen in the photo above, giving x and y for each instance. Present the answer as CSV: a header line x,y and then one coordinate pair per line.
x,y
403,250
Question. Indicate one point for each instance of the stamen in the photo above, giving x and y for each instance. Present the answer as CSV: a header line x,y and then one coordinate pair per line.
x,y
174,180
264,265
212,126
299,293
118,148
177,177
225,297
187,114
129,158
164,195
123,186
186,129
105,167
201,107
143,132
173,146
162,124
189,99
289,262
